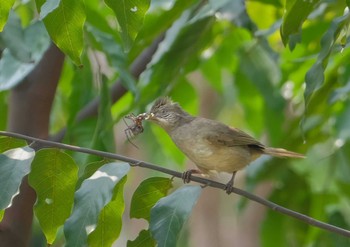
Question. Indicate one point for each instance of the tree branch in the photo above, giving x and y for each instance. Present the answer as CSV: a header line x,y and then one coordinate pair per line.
x,y
204,181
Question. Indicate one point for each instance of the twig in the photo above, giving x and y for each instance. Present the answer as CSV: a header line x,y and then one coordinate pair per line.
x,y
204,181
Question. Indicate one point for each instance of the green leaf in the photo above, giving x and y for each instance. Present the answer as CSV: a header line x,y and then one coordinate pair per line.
x,y
12,71
14,165
4,12
315,76
53,177
1,214
295,14
93,195
147,194
7,143
65,26
110,220
130,15
13,38
144,239
170,213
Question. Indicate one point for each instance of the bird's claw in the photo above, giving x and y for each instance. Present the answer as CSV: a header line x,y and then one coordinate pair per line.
x,y
229,188
186,176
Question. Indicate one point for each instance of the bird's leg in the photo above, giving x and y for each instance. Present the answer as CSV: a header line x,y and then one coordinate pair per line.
x,y
229,185
186,176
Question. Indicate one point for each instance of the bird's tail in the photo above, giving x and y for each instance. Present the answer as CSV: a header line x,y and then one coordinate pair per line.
x,y
280,152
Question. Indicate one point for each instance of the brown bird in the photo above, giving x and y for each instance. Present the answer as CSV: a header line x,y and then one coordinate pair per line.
x,y
211,145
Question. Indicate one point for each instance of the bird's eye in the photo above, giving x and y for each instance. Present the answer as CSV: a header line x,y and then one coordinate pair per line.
x,y
162,113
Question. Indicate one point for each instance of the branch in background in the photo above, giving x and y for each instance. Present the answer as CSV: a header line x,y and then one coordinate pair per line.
x,y
204,181
117,90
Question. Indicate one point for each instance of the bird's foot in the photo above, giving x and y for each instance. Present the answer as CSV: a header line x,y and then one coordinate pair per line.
x,y
229,186
186,176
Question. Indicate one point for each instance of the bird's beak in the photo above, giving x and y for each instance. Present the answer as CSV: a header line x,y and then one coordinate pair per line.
x,y
150,116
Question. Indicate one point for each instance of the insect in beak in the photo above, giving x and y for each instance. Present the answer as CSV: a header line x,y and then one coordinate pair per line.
x,y
136,127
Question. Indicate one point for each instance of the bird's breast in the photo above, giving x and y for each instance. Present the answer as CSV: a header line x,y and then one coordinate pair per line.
x,y
209,156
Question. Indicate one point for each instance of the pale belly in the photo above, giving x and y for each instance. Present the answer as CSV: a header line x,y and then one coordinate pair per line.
x,y
221,159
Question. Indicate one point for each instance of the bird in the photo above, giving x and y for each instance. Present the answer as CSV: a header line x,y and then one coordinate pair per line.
x,y
210,144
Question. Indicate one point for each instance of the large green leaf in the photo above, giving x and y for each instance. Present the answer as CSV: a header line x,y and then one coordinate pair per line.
x,y
7,143
5,8
130,15
146,195
296,13
93,195
12,70
65,26
14,165
110,220
53,177
144,239
171,212
315,76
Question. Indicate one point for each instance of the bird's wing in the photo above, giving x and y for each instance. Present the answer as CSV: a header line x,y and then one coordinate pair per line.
x,y
230,137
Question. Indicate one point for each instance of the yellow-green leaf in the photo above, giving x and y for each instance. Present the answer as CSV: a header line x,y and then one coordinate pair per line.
x,y
53,177
130,15
109,222
146,195
93,195
5,8
295,14
65,26
7,143
144,239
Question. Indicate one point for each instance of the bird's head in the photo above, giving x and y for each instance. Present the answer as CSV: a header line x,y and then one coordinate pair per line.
x,y
167,114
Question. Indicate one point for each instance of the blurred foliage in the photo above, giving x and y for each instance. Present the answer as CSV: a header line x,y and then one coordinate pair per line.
x,y
278,69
